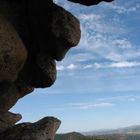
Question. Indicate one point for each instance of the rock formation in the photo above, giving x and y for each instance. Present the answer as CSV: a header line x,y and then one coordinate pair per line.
x,y
89,2
44,129
34,35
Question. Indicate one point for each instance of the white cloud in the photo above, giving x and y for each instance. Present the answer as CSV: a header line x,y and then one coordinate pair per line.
x,y
130,98
72,67
124,64
95,66
91,105
122,43
88,66
126,7
89,17
60,67
103,105
104,42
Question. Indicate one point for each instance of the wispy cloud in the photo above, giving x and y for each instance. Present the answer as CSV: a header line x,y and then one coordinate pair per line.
x,y
83,106
124,64
91,105
109,65
104,37
127,7
69,67
130,98
60,67
72,66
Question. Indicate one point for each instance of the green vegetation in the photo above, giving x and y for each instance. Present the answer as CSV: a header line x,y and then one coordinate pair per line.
x,y
114,137
70,136
78,136
127,133
92,138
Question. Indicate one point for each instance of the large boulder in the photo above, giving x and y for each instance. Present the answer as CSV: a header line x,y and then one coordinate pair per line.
x,y
44,129
61,32
89,2
47,31
12,52
54,30
65,29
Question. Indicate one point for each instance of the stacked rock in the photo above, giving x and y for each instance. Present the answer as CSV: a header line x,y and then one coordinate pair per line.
x,y
31,40
34,35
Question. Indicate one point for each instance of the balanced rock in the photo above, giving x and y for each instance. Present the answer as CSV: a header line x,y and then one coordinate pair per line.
x,y
44,129
66,32
89,2
54,30
8,119
47,31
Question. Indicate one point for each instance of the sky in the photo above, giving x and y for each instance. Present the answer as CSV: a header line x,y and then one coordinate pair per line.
x,y
98,82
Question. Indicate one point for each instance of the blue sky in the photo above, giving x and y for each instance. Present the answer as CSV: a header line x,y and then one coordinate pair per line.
x,y
97,85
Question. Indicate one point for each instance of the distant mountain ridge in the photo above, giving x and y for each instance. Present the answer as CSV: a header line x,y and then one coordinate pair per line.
x,y
126,130
126,133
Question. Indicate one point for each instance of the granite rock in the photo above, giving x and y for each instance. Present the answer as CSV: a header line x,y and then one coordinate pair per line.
x,y
13,53
89,2
8,119
44,129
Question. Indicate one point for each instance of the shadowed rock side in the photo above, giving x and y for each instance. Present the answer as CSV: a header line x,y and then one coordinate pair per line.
x,y
34,35
44,129
58,32
13,53
27,57
8,119
89,2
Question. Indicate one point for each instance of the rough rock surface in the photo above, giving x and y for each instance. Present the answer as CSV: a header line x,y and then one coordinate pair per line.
x,y
11,93
13,53
8,119
89,2
39,71
66,31
58,36
44,129
34,35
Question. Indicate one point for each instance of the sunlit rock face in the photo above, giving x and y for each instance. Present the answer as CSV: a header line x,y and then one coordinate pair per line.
x,y
34,35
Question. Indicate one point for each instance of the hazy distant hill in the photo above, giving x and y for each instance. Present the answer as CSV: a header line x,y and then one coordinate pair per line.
x,y
117,137
127,133
126,130
69,136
